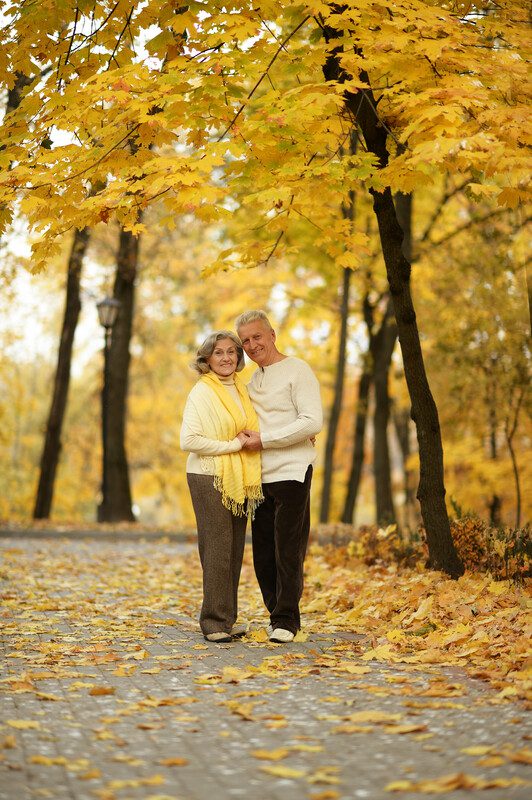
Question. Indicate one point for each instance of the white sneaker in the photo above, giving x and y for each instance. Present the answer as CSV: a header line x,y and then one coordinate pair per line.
x,y
269,629
239,629
281,635
219,636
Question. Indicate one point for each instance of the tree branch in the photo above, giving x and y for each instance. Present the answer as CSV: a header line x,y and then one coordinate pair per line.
x,y
264,74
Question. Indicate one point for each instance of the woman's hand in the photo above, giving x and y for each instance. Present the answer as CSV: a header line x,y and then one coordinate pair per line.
x,y
253,441
242,438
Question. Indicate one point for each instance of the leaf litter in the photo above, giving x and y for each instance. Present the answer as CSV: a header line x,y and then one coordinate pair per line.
x,y
413,619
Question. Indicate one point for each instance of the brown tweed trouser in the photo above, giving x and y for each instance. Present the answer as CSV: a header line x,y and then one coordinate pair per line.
x,y
221,537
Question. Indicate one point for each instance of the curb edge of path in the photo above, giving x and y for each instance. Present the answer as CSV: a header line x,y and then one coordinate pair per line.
x,y
92,533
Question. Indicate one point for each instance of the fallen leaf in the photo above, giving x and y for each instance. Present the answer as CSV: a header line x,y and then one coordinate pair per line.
x,y
404,728
325,775
271,755
283,772
24,724
450,783
8,743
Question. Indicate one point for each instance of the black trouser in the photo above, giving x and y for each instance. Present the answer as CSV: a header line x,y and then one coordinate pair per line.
x,y
280,534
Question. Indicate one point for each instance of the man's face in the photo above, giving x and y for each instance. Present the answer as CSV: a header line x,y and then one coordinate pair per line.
x,y
258,341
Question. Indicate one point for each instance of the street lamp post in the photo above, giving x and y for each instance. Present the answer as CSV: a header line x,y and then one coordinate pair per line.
x,y
107,314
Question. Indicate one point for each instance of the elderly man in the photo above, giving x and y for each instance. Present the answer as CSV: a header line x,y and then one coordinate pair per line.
x,y
286,397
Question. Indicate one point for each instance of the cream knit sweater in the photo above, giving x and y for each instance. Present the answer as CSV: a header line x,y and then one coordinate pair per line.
x,y
193,439
286,396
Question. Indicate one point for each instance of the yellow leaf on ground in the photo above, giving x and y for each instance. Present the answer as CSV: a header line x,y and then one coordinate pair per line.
x,y
173,762
381,653
350,728
283,772
98,691
133,783
47,761
490,761
24,724
125,671
307,748
8,743
271,755
235,675
325,775
352,669
523,756
374,716
46,696
90,775
477,750
405,728
450,783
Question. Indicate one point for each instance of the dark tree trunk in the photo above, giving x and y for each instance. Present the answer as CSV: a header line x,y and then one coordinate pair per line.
x,y
382,346
431,491
348,212
357,461
495,503
401,421
52,443
403,208
116,503
337,401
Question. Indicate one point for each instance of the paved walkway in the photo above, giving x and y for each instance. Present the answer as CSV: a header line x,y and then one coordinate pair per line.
x,y
91,710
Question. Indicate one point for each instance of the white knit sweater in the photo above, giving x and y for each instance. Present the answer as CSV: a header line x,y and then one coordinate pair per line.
x,y
286,397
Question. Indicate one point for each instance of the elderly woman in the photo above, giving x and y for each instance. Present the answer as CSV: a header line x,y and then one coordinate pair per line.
x,y
224,480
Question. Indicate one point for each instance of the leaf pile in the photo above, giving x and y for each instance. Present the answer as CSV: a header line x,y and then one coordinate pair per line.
x,y
417,616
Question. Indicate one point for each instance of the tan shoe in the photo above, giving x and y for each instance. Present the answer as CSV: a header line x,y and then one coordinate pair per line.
x,y
219,636
239,629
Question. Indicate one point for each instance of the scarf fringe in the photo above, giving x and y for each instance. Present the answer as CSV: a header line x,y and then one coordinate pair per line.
x,y
248,506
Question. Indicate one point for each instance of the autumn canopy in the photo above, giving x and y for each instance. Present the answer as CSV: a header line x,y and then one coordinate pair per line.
x,y
208,107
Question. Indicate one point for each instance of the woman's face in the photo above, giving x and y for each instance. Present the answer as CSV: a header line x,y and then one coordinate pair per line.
x,y
224,358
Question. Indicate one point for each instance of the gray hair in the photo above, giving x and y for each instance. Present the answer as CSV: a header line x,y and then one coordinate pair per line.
x,y
206,350
252,316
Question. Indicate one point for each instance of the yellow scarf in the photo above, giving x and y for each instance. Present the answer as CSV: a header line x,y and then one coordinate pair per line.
x,y
236,475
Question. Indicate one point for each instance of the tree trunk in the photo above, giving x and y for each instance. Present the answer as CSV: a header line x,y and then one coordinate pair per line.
x,y
54,427
337,401
116,504
510,428
431,491
495,503
348,213
382,345
358,445
403,208
401,421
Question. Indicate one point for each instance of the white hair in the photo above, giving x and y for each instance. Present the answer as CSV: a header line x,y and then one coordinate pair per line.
x,y
252,316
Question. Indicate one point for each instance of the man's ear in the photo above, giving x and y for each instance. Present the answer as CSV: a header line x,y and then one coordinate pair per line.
x,y
274,335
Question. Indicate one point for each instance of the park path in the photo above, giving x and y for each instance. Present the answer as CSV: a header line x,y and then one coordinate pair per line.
x,y
109,692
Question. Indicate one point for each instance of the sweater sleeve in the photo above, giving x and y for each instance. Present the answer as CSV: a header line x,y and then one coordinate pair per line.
x,y
193,439
307,402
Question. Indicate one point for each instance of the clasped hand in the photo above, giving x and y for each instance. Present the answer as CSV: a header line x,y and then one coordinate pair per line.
x,y
250,440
